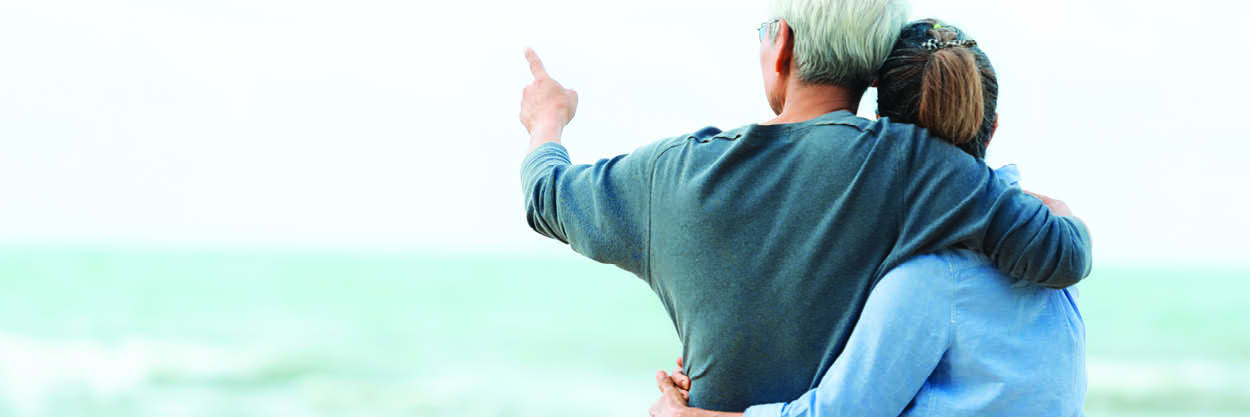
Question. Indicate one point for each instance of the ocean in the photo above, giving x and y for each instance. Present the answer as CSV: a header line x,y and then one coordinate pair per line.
x,y
221,333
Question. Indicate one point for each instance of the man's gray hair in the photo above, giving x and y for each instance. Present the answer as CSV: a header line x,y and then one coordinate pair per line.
x,y
841,42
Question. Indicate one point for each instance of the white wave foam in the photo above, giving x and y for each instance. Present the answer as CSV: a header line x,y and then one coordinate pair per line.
x,y
1140,376
35,371
39,376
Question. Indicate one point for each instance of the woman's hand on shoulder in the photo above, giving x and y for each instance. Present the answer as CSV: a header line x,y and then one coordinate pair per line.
x,y
1056,206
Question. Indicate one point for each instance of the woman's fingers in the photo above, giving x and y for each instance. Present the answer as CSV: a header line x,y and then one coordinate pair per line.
x,y
679,375
680,379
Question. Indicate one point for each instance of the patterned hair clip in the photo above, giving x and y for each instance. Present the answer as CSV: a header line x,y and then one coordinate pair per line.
x,y
934,44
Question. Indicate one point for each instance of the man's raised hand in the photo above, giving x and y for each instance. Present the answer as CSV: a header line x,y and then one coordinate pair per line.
x,y
536,65
546,106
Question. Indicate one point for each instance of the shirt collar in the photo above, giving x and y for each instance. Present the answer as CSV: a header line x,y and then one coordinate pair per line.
x,y
1009,173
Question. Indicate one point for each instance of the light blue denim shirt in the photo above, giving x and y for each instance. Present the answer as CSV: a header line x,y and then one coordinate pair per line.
x,y
947,334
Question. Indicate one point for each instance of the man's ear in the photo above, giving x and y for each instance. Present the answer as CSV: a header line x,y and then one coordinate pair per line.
x,y
993,131
785,47
994,128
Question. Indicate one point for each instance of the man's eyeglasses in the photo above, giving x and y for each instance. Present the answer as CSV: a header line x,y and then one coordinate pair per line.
x,y
765,28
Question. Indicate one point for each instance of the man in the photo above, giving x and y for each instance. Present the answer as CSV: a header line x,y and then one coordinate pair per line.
x,y
763,242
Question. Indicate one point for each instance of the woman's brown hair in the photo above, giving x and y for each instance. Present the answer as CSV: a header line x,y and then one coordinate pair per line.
x,y
939,79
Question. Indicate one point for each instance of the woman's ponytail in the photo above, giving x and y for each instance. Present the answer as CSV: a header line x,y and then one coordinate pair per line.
x,y
952,104
937,78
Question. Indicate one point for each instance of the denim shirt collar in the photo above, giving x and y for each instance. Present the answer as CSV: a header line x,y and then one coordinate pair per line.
x,y
1009,173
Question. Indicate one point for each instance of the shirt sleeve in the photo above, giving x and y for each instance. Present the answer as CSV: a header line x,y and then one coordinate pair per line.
x,y
601,210
952,199
897,343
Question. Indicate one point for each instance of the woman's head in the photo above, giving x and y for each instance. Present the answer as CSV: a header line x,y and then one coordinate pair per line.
x,y
937,78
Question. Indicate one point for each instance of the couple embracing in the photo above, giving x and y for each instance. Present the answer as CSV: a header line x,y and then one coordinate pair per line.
x,y
822,264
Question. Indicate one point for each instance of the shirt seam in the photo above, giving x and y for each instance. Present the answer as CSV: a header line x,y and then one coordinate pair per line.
x,y
650,205
953,276
953,281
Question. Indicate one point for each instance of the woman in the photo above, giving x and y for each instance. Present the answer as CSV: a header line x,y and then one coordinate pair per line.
x,y
946,333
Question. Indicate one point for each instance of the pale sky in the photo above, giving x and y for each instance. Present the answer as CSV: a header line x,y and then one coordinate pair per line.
x,y
393,124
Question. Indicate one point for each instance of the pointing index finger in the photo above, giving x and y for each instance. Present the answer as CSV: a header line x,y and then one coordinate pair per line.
x,y
536,64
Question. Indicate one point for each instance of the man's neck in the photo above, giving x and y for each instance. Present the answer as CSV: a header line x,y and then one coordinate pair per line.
x,y
808,101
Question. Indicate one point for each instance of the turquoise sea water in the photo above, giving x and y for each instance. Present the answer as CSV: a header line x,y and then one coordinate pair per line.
x,y
219,333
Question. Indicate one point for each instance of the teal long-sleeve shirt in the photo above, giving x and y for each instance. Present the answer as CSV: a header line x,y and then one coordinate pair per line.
x,y
764,242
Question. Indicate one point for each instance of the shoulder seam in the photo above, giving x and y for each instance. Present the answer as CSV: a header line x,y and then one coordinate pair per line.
x,y
651,202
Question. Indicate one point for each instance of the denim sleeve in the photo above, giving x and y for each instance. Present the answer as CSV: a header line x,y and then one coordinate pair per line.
x,y
601,210
952,199
900,338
